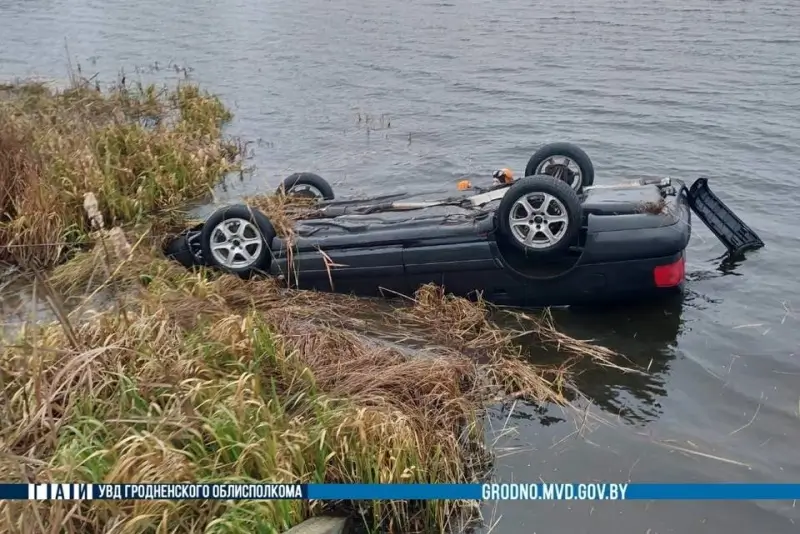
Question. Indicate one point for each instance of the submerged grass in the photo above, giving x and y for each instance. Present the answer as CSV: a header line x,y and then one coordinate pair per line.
x,y
196,376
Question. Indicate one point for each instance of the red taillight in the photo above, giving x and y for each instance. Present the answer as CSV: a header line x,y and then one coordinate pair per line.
x,y
670,275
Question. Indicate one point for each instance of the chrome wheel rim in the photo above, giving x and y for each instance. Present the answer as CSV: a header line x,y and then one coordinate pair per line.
x,y
562,168
236,243
538,220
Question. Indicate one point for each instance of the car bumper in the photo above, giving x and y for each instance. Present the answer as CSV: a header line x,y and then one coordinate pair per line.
x,y
620,281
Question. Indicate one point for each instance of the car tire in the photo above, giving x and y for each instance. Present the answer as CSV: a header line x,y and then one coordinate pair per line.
x,y
551,159
544,206
316,185
237,240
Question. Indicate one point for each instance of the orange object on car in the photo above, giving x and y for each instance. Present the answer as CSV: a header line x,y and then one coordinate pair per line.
x,y
505,176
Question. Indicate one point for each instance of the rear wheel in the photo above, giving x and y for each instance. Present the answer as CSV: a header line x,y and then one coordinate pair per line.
x,y
540,215
236,239
308,185
565,161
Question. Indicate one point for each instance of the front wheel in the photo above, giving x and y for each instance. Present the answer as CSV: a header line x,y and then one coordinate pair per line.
x,y
236,239
540,215
565,161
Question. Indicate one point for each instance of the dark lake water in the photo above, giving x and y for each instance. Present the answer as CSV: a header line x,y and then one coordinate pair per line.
x,y
681,88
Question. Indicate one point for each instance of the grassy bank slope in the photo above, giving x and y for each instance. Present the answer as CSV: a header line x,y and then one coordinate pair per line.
x,y
200,377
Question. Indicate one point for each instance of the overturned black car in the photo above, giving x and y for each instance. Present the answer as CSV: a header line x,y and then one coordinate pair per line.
x,y
549,238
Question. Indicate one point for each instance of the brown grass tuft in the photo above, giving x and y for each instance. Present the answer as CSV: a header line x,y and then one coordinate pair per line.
x,y
140,150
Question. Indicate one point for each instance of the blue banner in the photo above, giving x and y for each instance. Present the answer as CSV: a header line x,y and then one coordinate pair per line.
x,y
380,492
14,492
603,491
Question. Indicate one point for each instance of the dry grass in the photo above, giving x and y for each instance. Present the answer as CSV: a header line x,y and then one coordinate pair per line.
x,y
196,376
141,398
200,377
282,210
141,150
